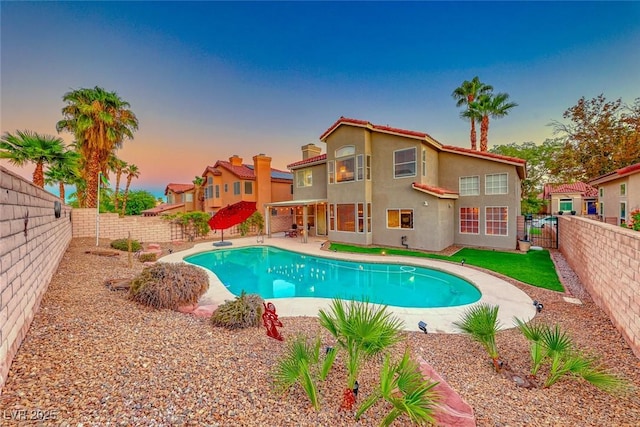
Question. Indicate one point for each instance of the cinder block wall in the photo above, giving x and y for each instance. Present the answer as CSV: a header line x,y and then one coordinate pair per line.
x,y
27,261
112,226
607,260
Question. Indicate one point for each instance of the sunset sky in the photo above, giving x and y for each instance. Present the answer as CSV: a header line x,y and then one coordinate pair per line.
x,y
209,79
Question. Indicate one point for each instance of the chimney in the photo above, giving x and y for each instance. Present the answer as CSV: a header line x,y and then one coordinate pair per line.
x,y
310,150
262,171
235,160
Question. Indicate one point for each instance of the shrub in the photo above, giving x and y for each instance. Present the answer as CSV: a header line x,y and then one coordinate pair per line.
x,y
123,245
165,285
243,312
149,257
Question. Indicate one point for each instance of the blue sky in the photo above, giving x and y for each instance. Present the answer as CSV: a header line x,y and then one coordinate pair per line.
x,y
209,79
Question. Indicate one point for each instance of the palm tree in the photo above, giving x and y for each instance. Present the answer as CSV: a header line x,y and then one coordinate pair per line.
x,y
31,147
65,170
488,105
118,166
100,121
465,95
480,322
197,182
132,172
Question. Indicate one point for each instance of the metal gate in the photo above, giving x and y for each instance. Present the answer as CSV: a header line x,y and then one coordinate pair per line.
x,y
541,230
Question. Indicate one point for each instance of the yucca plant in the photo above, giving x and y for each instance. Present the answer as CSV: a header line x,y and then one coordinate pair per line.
x,y
297,366
362,331
405,388
480,322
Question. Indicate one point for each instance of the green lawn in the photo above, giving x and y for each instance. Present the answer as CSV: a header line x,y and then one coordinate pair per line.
x,y
534,268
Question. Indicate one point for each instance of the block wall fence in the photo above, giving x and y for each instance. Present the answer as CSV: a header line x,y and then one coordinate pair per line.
x,y
32,243
607,260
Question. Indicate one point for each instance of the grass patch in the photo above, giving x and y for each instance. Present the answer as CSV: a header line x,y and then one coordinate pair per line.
x,y
534,268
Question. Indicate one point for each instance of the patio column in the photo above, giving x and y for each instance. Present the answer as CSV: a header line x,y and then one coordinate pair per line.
x,y
305,220
267,221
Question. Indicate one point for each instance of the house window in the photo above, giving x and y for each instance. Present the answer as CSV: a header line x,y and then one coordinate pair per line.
x,y
399,218
346,217
208,193
304,178
602,209
248,187
189,197
566,205
495,183
424,162
469,185
345,169
217,191
623,213
623,189
236,188
404,163
469,220
330,172
496,220
332,218
226,188
360,167
368,217
347,150
360,217
368,167
601,192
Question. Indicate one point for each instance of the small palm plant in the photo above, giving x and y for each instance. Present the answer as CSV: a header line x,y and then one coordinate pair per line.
x,y
480,322
403,385
552,345
363,331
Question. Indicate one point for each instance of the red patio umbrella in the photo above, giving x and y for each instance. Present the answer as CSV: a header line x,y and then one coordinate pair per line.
x,y
231,215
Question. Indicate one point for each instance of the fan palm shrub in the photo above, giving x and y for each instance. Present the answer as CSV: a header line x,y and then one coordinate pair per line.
x,y
363,331
480,322
405,388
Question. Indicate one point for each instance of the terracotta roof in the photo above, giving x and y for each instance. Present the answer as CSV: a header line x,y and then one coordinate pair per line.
x,y
310,160
242,171
585,190
380,128
163,207
212,170
435,191
484,154
246,171
178,188
618,173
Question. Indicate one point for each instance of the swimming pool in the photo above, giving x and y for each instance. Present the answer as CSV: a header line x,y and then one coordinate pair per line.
x,y
277,273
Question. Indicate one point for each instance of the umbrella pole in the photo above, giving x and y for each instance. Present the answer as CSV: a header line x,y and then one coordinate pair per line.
x,y
222,240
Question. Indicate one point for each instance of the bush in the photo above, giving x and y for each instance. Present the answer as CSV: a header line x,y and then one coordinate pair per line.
x,y
123,245
243,312
165,285
149,257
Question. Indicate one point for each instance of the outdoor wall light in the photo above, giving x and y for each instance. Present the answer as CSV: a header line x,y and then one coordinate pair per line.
x,y
423,326
356,386
538,305
462,262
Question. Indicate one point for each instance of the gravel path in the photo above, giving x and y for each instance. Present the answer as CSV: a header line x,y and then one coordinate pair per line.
x,y
92,357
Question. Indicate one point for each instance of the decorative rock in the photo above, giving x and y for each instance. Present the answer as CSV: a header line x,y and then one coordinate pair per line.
x,y
187,308
204,311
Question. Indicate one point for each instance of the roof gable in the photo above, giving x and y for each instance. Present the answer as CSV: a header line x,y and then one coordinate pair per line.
x,y
178,188
308,162
617,174
585,190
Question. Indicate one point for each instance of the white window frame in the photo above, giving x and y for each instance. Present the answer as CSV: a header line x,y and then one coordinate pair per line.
x,y
414,162
368,167
465,189
236,188
565,200
487,220
622,219
359,167
623,189
493,190
400,213
369,217
304,178
460,219
331,177
360,217
188,197
424,162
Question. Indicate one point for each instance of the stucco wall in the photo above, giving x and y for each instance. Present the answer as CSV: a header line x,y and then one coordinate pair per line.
x,y
27,261
607,260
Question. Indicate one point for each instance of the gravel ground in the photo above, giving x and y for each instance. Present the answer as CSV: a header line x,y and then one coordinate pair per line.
x,y
92,357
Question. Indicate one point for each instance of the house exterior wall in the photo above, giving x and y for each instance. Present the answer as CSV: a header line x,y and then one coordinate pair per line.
x,y
614,285
452,167
27,260
318,189
189,206
262,188
576,199
612,197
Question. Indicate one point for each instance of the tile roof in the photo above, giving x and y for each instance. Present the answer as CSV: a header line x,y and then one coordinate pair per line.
x,y
629,169
618,173
484,154
212,170
276,174
178,188
242,171
163,207
436,191
380,128
585,190
310,160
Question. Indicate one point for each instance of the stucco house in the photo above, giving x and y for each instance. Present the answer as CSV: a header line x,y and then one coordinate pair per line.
x,y
228,182
180,198
378,185
578,198
618,194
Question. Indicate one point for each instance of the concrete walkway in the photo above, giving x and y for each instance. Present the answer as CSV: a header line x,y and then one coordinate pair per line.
x,y
512,301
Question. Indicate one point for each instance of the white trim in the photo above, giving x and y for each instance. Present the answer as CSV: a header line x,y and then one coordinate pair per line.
x,y
486,220
460,185
415,163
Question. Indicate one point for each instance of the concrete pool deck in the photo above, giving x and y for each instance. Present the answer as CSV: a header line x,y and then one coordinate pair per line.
x,y
512,301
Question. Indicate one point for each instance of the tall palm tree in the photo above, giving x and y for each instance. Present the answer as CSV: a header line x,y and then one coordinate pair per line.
x,y
197,182
64,170
118,166
132,171
465,95
494,106
31,147
100,121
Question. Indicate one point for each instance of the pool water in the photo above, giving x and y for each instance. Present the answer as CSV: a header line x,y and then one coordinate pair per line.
x,y
277,273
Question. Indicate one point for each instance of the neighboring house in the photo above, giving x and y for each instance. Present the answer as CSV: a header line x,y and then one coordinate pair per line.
x,y
179,199
378,185
618,194
230,182
578,197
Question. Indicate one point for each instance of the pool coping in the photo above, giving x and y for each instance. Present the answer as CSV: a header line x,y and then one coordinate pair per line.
x,y
513,302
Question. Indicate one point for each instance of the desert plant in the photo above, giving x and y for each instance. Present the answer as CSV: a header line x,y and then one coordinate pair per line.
x,y
123,245
148,257
298,366
165,285
403,385
480,322
363,331
243,312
